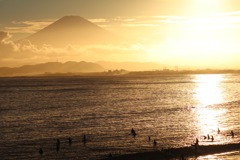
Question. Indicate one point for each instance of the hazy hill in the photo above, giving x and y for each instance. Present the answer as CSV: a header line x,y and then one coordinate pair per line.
x,y
131,66
52,67
72,30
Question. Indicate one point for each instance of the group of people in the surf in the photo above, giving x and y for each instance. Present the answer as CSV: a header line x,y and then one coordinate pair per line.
x,y
84,140
208,138
134,134
211,138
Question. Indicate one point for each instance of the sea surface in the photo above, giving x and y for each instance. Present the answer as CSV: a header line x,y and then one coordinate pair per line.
x,y
174,110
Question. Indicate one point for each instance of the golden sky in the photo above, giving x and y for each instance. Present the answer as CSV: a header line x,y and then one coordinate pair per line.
x,y
191,33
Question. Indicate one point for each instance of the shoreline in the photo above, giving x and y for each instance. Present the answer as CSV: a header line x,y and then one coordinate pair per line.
x,y
180,153
121,73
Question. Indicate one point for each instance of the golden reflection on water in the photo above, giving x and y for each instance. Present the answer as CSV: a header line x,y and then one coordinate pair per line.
x,y
208,91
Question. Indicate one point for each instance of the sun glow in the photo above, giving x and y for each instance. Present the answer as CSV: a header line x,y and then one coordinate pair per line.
x,y
208,2
201,41
208,91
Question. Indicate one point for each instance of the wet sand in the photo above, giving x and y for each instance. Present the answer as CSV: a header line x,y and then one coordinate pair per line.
x,y
180,153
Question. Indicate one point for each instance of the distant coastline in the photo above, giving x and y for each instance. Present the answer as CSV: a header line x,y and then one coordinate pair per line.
x,y
83,68
144,73
200,71
129,73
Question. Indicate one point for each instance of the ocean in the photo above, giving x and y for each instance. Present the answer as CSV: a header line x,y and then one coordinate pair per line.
x,y
174,110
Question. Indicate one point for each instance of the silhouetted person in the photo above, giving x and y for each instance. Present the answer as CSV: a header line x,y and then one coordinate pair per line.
x,y
84,139
40,151
208,137
212,138
58,142
197,141
232,134
196,146
154,143
149,138
70,141
204,137
133,132
218,131
58,145
57,148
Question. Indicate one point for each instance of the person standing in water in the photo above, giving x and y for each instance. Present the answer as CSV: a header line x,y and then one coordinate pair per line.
x,y
84,139
40,151
70,141
208,137
133,132
197,141
149,138
232,134
154,143
212,138
58,145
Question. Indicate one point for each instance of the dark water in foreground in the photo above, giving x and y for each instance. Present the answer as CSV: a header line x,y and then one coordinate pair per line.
x,y
174,110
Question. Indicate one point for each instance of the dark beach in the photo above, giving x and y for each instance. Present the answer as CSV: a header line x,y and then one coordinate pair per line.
x,y
179,153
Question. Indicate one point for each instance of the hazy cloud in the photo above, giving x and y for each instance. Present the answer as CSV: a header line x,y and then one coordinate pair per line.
x,y
6,47
27,26
3,36
25,52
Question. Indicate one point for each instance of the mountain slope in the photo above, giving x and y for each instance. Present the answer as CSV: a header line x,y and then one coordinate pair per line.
x,y
52,67
72,30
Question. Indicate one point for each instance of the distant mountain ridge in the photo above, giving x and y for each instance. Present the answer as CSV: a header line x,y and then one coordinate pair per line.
x,y
72,30
52,67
